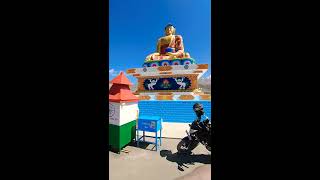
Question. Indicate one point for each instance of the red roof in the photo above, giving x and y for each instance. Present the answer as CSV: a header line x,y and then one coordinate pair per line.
x,y
124,95
120,91
121,79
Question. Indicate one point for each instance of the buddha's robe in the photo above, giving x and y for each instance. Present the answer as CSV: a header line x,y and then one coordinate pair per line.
x,y
175,42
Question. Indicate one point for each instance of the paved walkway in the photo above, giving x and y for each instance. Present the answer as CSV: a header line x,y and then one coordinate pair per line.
x,y
142,163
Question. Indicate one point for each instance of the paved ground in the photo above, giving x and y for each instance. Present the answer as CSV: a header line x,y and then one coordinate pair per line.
x,y
146,164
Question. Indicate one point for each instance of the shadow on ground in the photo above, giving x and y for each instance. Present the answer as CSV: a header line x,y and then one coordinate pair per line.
x,y
144,145
183,160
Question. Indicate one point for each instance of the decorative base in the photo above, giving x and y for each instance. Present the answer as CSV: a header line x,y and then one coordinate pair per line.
x,y
187,69
168,83
174,97
165,79
167,62
165,93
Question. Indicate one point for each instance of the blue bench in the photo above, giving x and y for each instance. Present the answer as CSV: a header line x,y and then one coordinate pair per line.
x,y
149,124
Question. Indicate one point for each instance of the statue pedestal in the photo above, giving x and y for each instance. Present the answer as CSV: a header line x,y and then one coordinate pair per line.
x,y
176,82
162,92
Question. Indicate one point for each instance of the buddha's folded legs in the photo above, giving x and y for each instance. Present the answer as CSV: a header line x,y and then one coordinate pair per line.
x,y
158,56
150,57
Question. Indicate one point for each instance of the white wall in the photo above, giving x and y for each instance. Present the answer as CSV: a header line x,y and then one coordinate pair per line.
x,y
123,113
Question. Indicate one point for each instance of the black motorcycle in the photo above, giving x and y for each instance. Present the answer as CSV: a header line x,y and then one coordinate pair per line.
x,y
200,132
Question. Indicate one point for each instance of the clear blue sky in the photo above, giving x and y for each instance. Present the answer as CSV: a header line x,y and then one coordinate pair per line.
x,y
136,25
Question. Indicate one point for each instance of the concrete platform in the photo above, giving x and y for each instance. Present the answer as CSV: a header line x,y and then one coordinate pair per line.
x,y
143,163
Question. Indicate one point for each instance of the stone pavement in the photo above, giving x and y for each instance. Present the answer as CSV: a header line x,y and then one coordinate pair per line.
x,y
143,163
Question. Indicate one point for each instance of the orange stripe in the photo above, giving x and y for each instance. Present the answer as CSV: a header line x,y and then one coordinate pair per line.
x,y
202,66
205,97
165,97
129,71
141,97
165,73
165,93
164,68
186,97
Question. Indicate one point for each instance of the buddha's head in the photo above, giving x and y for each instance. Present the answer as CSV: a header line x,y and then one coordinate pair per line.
x,y
170,30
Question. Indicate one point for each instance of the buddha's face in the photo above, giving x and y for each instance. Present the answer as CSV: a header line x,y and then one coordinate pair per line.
x,y
169,30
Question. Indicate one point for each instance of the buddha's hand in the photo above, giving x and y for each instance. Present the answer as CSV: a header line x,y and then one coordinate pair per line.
x,y
172,54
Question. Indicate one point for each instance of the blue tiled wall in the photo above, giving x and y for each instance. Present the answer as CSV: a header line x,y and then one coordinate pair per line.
x,y
173,111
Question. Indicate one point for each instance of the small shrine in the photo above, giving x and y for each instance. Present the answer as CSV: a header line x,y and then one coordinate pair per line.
x,y
123,113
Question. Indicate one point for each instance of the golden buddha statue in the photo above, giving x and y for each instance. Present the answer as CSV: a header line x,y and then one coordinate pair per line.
x,y
169,47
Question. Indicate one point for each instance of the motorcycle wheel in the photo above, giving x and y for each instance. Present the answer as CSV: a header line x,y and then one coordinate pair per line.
x,y
186,146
